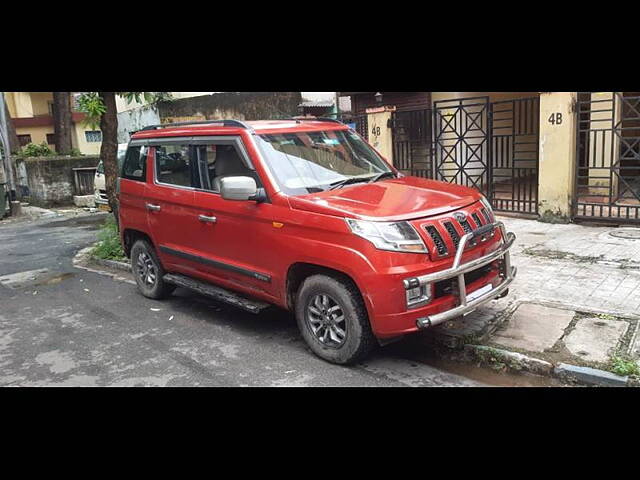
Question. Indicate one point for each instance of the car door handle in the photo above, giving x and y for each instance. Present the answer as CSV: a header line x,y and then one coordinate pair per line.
x,y
153,208
204,218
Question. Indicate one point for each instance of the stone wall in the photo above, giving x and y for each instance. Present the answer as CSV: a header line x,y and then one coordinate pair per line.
x,y
231,105
50,180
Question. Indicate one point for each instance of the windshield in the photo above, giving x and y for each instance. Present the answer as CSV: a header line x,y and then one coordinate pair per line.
x,y
308,162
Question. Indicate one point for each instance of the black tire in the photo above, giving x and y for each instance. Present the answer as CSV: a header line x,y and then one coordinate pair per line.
x,y
157,289
359,339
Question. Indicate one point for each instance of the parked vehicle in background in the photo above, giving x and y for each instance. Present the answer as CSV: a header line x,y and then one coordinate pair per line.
x,y
99,189
306,215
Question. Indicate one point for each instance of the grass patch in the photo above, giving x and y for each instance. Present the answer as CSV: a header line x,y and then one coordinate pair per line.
x,y
109,246
624,366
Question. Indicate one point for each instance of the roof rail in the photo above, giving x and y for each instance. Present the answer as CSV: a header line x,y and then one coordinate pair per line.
x,y
225,123
322,119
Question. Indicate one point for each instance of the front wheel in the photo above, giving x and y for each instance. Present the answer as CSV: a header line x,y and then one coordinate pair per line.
x,y
333,320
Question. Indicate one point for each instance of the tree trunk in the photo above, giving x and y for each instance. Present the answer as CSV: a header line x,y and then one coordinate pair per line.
x,y
62,122
14,143
109,148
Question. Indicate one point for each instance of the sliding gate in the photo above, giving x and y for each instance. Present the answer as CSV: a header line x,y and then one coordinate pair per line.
x,y
492,147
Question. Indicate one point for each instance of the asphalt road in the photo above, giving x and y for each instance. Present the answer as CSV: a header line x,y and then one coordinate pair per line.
x,y
69,326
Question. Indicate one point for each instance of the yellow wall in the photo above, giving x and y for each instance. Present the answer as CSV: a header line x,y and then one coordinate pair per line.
x,y
40,102
557,153
38,134
383,143
19,104
79,140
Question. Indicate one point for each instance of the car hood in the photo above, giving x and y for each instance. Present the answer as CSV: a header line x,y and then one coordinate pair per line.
x,y
389,200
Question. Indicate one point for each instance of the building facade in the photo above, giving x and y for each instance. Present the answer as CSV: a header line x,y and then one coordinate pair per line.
x,y
554,155
32,116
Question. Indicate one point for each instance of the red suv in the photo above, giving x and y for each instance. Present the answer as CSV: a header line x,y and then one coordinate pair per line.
x,y
306,215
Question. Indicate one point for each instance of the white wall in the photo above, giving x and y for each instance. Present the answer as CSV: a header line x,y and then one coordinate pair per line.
x,y
132,120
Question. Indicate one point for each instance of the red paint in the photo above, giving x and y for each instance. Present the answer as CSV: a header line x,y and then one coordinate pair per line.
x,y
314,230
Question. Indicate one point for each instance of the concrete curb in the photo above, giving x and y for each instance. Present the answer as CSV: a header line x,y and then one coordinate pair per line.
x,y
512,360
590,376
112,263
520,362
83,257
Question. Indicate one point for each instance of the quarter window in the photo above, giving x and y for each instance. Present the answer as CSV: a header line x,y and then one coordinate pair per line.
x,y
135,161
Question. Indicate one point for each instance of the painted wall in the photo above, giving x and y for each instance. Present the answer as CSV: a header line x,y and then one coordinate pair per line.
x,y
38,134
234,105
79,140
380,135
133,120
19,104
50,180
557,153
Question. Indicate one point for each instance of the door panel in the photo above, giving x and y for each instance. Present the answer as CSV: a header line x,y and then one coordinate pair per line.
x,y
169,216
231,247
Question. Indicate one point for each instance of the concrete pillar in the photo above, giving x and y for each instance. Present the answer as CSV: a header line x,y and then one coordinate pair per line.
x,y
557,153
380,134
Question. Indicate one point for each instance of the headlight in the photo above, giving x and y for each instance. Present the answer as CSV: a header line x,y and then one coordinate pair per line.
x,y
487,206
394,236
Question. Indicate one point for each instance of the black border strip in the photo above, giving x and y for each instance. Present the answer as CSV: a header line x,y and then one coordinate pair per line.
x,y
213,263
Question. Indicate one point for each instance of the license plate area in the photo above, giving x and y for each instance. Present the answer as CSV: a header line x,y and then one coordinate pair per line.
x,y
479,292
104,207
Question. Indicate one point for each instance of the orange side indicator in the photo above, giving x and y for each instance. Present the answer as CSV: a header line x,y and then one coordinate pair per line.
x,y
277,224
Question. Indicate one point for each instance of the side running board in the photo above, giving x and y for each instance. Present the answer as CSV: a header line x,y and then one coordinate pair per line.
x,y
217,293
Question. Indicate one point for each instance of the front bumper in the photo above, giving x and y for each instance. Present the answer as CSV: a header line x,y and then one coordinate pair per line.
x,y
458,270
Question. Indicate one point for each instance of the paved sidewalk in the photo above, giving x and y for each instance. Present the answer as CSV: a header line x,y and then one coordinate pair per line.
x,y
576,298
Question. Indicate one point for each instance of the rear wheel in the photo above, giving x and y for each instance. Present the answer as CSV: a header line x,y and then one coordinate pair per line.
x,y
148,271
333,320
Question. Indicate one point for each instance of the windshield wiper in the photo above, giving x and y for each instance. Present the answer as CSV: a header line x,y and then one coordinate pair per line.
x,y
347,181
380,176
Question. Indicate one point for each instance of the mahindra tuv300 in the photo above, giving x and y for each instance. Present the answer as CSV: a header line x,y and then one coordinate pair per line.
x,y
306,215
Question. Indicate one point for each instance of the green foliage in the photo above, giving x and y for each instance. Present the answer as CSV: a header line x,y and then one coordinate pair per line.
x,y
109,247
33,150
75,152
93,107
624,365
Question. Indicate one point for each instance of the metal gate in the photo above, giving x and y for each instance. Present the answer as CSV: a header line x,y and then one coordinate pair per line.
x,y
492,147
461,142
514,155
608,157
412,142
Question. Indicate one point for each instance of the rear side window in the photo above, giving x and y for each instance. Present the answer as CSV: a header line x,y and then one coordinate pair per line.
x,y
135,164
174,165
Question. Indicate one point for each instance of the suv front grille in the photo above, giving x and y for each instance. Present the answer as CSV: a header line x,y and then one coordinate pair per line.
x,y
476,219
465,225
451,230
437,239
485,214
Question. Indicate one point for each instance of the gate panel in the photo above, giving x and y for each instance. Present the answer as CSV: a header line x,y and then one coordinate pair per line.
x,y
412,142
461,142
358,123
514,155
608,157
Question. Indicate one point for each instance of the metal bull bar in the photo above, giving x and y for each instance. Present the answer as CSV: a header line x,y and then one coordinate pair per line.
x,y
458,270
